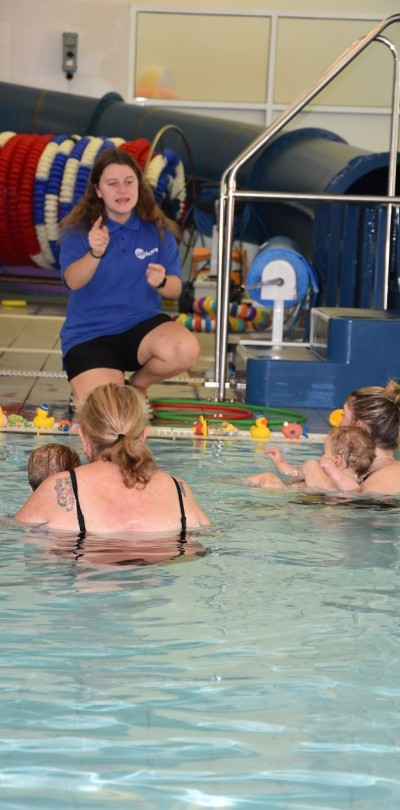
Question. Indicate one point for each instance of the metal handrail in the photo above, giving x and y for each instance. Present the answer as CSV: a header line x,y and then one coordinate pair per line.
x,y
228,192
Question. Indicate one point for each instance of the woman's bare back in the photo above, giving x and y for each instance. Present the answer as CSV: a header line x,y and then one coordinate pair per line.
x,y
108,505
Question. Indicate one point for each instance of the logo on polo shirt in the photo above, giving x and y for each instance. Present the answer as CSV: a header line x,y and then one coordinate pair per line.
x,y
143,254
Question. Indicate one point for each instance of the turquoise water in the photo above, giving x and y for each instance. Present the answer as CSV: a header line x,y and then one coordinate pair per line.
x,y
261,674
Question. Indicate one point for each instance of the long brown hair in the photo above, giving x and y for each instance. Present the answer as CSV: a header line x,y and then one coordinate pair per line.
x,y
378,407
90,207
113,418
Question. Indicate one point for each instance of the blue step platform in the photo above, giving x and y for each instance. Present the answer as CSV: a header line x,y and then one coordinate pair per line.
x,y
349,348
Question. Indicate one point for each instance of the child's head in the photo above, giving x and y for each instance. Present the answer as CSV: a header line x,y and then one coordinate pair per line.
x,y
48,459
351,447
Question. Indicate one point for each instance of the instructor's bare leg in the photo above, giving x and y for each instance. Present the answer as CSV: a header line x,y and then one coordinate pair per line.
x,y
164,352
84,383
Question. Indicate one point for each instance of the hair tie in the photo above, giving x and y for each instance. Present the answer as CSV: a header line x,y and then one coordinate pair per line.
x,y
118,439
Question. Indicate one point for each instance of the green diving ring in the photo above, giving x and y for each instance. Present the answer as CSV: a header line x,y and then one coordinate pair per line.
x,y
169,410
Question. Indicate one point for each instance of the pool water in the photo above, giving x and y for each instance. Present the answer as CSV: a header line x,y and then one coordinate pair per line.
x,y
260,670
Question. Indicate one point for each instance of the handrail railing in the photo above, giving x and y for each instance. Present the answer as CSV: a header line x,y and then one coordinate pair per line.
x,y
228,192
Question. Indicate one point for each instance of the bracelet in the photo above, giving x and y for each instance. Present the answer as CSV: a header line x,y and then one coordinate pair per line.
x,y
163,283
94,254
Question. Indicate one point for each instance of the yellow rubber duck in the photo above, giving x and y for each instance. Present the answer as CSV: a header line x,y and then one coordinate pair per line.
x,y
260,429
42,418
3,418
336,417
200,428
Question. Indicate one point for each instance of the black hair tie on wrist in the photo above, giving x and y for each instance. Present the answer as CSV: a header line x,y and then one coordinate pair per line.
x,y
95,256
163,283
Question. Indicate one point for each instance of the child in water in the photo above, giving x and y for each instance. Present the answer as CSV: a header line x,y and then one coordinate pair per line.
x,y
48,459
348,454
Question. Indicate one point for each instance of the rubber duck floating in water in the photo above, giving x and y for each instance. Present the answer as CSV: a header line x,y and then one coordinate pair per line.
x,y
42,418
200,428
260,429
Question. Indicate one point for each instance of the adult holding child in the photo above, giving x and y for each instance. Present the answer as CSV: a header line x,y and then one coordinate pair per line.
x,y
376,410
119,258
121,489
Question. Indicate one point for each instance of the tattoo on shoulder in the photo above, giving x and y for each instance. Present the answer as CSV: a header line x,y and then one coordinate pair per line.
x,y
65,494
182,488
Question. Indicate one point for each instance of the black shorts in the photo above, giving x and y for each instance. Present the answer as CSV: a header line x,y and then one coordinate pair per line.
x,y
111,351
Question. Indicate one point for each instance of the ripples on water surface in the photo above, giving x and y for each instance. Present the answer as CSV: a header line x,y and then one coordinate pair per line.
x,y
261,674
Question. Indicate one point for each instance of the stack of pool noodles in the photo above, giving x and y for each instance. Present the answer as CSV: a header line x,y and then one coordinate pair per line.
x,y
242,317
43,176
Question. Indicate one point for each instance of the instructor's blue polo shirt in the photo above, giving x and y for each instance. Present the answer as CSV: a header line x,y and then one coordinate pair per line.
x,y
118,296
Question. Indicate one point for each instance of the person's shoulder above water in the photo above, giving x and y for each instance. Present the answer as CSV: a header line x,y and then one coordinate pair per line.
x,y
40,507
385,479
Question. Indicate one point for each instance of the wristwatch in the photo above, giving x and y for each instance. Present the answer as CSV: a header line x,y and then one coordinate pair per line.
x,y
163,283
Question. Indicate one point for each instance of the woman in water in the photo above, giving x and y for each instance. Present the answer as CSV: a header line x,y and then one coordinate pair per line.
x,y
376,408
122,489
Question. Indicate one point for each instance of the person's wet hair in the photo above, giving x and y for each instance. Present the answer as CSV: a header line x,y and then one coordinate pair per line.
x,y
113,418
49,459
355,446
379,408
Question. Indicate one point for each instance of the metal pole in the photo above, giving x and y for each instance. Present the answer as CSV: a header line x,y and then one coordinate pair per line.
x,y
223,306
394,137
220,265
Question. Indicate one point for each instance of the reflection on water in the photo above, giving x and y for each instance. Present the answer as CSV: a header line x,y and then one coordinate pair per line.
x,y
121,549
94,561
261,673
362,501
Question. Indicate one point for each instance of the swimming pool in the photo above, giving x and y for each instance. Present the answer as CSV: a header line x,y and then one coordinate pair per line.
x,y
261,674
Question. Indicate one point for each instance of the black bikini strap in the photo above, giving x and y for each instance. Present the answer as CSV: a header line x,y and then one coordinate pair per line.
x,y
182,508
79,546
81,519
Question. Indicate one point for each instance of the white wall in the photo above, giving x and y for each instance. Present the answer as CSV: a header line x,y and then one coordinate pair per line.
x,y
31,44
